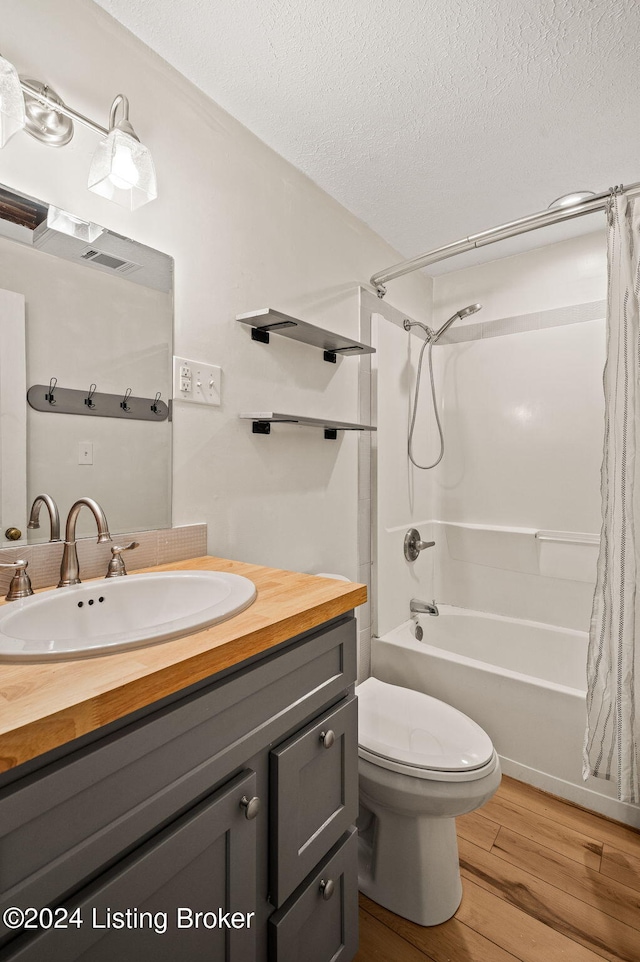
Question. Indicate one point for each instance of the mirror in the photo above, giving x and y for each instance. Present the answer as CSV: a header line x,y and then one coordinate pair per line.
x,y
95,309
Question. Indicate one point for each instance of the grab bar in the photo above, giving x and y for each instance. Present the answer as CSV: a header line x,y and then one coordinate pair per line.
x,y
568,537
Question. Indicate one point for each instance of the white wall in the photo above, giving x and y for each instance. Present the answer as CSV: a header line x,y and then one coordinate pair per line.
x,y
523,419
247,231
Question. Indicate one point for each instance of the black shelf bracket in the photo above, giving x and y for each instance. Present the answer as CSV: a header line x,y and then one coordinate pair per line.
x,y
261,427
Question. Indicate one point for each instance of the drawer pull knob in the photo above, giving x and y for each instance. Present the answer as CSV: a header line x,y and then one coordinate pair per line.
x,y
251,806
327,739
327,889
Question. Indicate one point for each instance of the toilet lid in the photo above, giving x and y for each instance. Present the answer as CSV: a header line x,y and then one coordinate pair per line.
x,y
415,729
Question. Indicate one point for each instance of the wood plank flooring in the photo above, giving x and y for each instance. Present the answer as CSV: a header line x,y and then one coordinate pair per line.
x,y
543,881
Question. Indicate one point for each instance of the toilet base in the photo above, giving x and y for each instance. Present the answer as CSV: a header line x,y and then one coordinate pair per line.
x,y
396,854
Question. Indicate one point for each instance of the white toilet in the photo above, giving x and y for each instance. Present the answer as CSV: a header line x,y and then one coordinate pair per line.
x,y
421,763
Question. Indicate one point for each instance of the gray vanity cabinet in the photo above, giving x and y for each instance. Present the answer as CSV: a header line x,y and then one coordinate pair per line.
x,y
204,859
237,796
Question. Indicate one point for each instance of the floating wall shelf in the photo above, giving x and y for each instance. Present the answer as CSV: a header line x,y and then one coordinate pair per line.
x,y
262,423
267,321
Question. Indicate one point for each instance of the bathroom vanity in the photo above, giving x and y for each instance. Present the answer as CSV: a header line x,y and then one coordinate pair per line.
x,y
195,799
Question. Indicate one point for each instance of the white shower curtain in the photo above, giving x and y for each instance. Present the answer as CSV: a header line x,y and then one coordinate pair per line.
x,y
612,741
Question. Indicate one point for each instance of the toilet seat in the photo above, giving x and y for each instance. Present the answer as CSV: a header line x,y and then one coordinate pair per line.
x,y
414,734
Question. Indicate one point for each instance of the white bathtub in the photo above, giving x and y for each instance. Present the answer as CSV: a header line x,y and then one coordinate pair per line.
x,y
523,681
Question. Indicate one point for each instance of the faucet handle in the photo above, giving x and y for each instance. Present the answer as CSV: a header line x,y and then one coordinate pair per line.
x,y
413,544
116,567
20,586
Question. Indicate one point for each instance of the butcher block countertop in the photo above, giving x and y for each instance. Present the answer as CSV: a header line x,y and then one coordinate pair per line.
x,y
44,705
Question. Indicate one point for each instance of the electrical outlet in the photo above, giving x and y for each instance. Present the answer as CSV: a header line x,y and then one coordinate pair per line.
x,y
197,382
186,382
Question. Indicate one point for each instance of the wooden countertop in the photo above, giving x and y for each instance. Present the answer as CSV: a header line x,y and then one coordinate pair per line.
x,y
46,704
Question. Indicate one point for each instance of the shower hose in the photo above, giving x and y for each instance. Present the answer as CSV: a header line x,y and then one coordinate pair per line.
x,y
425,467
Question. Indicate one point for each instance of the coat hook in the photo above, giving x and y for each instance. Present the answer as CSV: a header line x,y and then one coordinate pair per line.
x,y
89,398
123,402
154,406
52,386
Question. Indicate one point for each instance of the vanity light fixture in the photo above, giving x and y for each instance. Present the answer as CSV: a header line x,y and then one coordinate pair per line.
x,y
12,116
122,168
66,223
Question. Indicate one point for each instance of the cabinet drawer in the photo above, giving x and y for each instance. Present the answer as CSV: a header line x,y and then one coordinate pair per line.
x,y
310,926
314,793
203,862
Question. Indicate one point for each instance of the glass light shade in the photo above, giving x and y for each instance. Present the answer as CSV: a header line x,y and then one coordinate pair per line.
x,y
122,171
66,223
12,117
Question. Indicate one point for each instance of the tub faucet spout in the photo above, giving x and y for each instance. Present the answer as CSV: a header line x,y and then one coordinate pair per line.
x,y
417,607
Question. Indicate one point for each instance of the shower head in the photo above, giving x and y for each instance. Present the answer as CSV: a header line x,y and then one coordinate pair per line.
x,y
471,309
434,335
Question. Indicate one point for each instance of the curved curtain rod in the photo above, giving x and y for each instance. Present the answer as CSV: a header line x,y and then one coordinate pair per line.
x,y
531,222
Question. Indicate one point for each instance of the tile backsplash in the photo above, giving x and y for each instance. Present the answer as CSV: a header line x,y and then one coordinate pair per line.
x,y
156,547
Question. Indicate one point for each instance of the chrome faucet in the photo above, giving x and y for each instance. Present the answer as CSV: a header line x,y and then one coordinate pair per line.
x,y
413,544
54,517
69,569
423,607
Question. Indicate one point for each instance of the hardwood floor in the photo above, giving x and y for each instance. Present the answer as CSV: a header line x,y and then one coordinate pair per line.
x,y
543,881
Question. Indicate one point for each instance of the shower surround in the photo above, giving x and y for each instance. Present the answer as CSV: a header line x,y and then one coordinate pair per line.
x,y
520,396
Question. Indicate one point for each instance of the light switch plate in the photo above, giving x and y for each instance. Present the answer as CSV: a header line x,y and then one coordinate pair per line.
x,y
197,382
85,452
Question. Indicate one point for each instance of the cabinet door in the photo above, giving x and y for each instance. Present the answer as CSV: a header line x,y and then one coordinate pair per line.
x,y
319,923
204,862
314,783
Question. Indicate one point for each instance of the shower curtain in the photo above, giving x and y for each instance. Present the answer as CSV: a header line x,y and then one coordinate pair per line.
x,y
612,741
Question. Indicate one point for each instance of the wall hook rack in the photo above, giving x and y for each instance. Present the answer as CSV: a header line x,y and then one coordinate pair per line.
x,y
70,401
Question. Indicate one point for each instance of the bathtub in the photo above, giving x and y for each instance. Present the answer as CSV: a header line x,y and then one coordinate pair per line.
x,y
524,682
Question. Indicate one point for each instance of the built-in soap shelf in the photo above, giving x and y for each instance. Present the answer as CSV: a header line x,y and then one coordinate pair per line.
x,y
268,321
568,537
568,555
262,422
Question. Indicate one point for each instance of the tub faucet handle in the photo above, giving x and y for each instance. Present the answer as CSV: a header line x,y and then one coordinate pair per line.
x,y
413,544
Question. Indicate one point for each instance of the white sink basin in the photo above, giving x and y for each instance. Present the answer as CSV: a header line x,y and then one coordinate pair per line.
x,y
119,613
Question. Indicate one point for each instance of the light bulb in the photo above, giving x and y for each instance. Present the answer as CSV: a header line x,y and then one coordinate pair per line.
x,y
124,173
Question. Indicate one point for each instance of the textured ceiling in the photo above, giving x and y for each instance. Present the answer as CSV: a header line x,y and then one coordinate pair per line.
x,y
429,119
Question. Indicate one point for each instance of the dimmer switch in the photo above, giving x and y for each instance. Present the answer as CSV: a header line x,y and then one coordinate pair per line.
x,y
197,382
